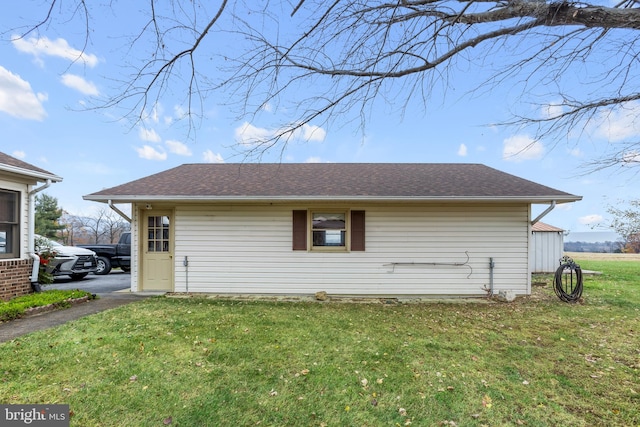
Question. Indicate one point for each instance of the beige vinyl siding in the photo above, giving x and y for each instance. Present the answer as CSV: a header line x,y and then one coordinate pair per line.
x,y
248,249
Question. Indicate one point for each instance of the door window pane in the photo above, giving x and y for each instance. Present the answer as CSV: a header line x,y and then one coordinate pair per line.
x,y
158,234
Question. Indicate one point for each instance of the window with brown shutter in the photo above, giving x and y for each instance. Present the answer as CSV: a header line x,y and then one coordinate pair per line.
x,y
357,230
299,230
328,230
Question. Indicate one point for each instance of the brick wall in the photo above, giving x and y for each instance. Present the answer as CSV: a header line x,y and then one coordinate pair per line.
x,y
14,278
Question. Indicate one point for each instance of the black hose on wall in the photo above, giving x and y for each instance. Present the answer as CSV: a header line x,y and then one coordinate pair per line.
x,y
568,281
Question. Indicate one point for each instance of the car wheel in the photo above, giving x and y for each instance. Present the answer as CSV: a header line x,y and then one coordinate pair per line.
x,y
104,266
78,276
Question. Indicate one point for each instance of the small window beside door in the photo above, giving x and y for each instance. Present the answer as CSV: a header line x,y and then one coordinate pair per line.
x,y
158,238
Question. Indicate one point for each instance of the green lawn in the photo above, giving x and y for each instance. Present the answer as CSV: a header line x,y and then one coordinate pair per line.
x,y
197,362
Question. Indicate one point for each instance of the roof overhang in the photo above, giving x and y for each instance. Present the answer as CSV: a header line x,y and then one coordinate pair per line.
x,y
29,173
288,199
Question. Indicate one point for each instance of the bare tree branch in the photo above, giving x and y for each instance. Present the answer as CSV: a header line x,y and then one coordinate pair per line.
x,y
331,61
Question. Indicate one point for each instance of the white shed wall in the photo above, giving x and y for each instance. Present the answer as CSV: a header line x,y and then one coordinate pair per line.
x,y
547,249
248,249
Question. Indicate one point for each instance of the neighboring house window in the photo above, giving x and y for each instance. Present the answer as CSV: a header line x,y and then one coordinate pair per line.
x,y
328,230
9,224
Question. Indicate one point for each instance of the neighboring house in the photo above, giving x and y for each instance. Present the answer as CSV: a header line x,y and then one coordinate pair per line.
x,y
18,262
547,247
387,230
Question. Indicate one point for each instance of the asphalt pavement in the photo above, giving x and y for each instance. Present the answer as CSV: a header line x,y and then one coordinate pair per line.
x,y
111,290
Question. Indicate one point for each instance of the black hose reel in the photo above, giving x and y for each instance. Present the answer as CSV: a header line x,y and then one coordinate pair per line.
x,y
568,281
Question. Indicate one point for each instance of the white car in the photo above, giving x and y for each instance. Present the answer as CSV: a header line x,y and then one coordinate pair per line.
x,y
68,260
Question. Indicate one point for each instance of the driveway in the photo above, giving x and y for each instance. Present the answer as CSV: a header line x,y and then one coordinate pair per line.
x,y
105,285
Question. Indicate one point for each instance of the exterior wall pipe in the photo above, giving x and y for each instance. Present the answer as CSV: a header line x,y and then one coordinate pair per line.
x,y
491,266
32,232
546,211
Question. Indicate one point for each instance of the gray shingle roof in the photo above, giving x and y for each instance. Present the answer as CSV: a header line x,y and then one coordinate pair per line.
x,y
11,164
332,181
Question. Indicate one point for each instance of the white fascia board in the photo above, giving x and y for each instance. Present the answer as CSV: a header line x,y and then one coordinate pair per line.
x,y
263,199
30,173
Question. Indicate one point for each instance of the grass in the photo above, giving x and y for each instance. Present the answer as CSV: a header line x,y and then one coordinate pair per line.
x,y
201,362
16,307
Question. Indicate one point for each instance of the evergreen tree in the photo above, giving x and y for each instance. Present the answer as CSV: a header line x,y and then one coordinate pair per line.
x,y
47,216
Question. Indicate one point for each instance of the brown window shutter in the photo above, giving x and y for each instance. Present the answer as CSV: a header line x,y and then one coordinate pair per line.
x,y
357,230
299,230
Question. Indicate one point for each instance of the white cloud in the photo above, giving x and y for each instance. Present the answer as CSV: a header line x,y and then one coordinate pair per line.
x,y
521,147
619,124
178,147
248,134
576,152
150,153
58,48
313,133
631,157
552,110
19,154
149,135
80,84
313,160
267,107
211,157
592,219
18,99
462,150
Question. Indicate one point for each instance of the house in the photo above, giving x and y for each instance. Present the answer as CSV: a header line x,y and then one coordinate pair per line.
x,y
346,229
18,262
547,247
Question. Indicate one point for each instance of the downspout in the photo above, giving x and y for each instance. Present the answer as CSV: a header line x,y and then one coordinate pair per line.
x,y
546,211
32,235
119,212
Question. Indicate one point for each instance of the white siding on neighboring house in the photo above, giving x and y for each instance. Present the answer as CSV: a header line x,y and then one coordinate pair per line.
x,y
248,249
547,248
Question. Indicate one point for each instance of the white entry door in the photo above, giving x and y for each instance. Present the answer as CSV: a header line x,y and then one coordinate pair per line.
x,y
157,259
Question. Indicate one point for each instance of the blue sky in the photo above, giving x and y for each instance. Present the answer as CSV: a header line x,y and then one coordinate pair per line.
x,y
45,91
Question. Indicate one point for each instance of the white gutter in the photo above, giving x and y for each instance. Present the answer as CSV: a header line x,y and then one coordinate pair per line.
x,y
118,211
546,211
32,232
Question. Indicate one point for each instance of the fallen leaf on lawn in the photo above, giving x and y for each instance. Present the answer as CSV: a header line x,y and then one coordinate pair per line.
x,y
364,382
133,378
167,421
525,382
273,393
486,401
379,380
402,412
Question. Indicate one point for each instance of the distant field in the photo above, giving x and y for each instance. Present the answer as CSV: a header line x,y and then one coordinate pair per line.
x,y
590,256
